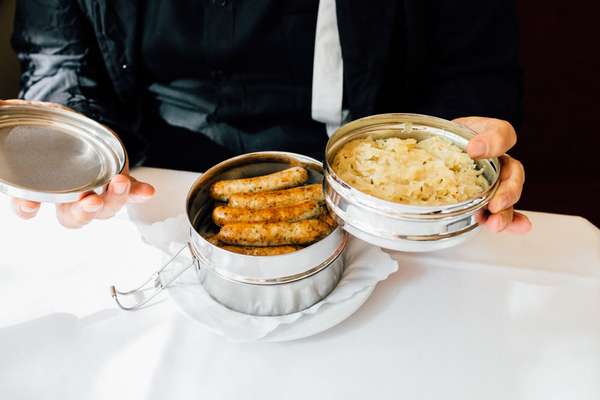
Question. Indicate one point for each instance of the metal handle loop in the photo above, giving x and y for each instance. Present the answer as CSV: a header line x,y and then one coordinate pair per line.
x,y
152,286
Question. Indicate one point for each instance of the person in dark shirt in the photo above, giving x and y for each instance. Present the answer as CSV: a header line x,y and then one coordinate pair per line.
x,y
189,83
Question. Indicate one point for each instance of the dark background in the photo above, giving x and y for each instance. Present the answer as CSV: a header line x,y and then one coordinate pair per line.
x,y
559,140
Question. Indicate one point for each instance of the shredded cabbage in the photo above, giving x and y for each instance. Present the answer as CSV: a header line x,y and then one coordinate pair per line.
x,y
432,171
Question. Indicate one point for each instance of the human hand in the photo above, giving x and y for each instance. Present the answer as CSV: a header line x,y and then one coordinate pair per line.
x,y
122,189
495,137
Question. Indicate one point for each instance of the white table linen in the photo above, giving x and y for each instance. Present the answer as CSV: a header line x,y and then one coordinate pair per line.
x,y
501,317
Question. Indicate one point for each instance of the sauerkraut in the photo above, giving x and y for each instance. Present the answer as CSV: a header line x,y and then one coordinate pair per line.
x,y
430,172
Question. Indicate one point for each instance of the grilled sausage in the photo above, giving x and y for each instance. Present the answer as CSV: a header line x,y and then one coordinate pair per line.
x,y
274,233
253,251
214,239
278,198
223,215
287,178
261,251
328,219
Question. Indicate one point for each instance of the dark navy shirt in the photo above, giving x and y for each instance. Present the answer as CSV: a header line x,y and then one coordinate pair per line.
x,y
232,68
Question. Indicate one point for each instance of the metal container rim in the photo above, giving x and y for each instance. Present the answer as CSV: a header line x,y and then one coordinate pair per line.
x,y
60,196
270,281
266,156
409,211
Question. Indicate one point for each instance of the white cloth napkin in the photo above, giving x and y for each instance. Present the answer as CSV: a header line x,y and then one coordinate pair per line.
x,y
365,266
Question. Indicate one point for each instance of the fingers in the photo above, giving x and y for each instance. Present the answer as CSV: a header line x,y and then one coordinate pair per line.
x,y
512,178
71,215
495,137
115,197
121,189
24,208
520,224
78,214
499,221
140,191
507,220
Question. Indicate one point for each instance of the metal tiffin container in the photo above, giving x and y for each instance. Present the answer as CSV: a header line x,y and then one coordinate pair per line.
x,y
256,285
397,226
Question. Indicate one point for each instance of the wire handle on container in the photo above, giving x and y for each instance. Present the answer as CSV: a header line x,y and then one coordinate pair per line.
x,y
154,285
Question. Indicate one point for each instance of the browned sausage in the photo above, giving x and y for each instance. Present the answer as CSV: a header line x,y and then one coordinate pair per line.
x,y
278,198
253,251
214,239
287,178
223,215
274,233
328,219
261,251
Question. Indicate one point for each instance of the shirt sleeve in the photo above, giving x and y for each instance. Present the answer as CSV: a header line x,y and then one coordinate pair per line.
x,y
474,63
61,63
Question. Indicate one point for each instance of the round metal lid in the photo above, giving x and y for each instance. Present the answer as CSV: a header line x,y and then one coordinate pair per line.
x,y
55,155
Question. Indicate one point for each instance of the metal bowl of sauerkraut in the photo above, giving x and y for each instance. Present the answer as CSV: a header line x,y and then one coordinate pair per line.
x,y
405,182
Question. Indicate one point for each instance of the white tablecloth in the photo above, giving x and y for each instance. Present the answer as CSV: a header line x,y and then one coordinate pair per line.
x,y
501,317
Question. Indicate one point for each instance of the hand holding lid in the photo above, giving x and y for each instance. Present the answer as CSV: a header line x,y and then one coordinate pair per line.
x,y
50,153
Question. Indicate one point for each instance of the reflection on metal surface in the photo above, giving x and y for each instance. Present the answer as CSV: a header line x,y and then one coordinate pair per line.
x,y
398,226
55,155
257,285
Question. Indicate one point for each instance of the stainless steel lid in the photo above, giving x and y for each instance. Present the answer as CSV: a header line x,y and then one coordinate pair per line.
x,y
55,155
398,226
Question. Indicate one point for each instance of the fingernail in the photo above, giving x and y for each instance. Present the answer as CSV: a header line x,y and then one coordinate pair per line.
x,y
90,208
477,148
120,187
27,209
